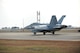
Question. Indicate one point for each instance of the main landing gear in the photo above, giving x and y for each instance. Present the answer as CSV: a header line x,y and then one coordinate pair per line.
x,y
53,33
45,33
34,33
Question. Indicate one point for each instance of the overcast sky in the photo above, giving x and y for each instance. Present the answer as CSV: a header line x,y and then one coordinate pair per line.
x,y
13,12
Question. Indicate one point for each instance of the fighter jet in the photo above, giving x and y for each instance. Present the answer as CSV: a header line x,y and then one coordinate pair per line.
x,y
53,26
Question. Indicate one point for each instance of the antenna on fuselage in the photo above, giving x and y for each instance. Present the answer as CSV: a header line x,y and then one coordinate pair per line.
x,y
38,16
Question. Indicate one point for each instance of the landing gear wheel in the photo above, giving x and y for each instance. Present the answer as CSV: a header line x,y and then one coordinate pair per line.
x,y
34,33
44,33
53,33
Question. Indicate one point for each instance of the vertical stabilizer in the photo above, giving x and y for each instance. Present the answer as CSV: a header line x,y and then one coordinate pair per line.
x,y
61,19
53,21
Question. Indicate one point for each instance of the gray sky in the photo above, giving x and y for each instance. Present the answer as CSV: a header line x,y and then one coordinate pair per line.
x,y
13,12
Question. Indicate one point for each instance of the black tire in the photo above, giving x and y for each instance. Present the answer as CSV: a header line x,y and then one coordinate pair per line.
x,y
78,30
44,33
34,33
53,33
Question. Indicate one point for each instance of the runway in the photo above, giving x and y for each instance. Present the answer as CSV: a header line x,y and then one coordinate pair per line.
x,y
29,36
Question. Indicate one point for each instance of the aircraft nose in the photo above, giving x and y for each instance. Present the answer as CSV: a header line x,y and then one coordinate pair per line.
x,y
29,27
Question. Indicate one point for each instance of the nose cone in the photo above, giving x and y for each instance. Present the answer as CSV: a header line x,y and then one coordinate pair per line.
x,y
29,27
